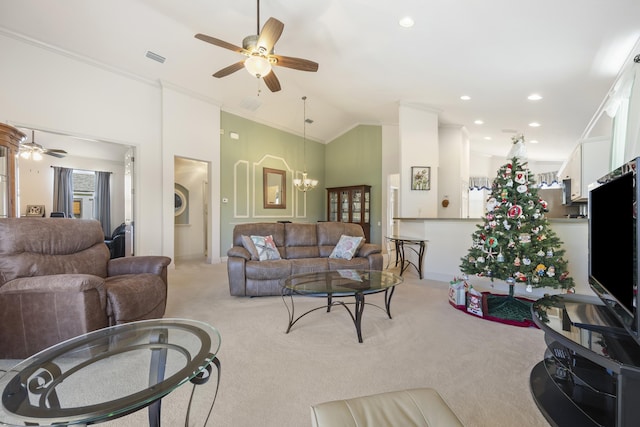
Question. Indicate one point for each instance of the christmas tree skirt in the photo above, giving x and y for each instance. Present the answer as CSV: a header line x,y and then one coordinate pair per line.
x,y
506,309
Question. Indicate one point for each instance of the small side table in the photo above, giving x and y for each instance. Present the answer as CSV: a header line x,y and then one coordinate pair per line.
x,y
109,373
411,243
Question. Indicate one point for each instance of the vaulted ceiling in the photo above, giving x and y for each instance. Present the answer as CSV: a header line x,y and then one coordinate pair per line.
x,y
497,52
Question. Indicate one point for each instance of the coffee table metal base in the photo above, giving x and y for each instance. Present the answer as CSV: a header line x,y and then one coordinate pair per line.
x,y
356,315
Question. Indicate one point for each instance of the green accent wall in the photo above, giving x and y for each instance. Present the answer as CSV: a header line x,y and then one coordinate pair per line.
x,y
355,158
241,164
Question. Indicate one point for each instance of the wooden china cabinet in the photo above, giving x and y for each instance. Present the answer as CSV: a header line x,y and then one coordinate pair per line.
x,y
10,139
351,204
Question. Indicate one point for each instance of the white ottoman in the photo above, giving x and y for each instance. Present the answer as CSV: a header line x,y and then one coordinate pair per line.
x,y
421,407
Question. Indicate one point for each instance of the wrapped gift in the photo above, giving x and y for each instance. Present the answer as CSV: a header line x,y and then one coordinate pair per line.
x,y
457,291
475,302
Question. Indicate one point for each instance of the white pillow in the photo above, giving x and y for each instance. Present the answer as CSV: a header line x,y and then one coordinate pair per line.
x,y
346,247
266,247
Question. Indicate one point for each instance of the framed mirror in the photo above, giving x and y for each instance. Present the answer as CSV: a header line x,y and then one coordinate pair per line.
x,y
274,184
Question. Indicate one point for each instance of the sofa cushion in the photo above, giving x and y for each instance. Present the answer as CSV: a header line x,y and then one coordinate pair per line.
x,y
356,263
301,241
329,234
346,247
309,265
265,270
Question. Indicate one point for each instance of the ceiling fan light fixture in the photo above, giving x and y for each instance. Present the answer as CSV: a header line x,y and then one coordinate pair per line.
x,y
258,66
37,156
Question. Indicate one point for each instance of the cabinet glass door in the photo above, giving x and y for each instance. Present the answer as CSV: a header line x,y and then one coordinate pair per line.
x,y
344,206
366,207
333,206
356,210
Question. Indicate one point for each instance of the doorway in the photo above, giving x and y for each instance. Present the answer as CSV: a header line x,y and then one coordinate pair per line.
x,y
191,209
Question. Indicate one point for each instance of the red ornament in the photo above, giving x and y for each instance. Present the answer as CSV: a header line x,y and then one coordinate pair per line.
x,y
514,211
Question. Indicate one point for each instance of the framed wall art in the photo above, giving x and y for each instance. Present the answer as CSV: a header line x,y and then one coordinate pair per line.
x,y
420,177
35,210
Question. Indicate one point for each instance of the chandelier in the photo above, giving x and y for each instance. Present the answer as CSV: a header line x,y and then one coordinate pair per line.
x,y
305,183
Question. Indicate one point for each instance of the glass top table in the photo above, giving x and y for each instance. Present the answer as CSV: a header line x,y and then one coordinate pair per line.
x,y
109,373
340,283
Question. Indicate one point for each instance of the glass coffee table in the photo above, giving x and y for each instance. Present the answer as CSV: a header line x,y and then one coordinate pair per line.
x,y
109,373
340,283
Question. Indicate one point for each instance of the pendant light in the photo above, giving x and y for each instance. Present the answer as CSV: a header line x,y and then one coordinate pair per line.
x,y
305,184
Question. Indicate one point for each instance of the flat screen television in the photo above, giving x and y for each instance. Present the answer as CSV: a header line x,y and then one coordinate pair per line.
x,y
613,244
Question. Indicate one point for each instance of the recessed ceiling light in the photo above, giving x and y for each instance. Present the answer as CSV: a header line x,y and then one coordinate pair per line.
x,y
533,141
406,22
479,122
465,97
534,97
487,138
534,124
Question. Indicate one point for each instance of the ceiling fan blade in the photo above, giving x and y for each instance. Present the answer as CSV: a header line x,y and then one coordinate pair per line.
x,y
295,63
55,153
272,82
271,32
230,69
220,43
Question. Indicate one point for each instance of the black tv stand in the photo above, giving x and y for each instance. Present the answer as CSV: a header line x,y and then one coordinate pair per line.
x,y
590,375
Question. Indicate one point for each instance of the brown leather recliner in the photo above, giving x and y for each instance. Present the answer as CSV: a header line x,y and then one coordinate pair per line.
x,y
57,281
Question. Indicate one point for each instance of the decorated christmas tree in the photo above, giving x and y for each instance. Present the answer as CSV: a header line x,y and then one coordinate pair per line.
x,y
515,242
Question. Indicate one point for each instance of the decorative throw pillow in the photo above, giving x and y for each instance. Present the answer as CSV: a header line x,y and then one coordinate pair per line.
x,y
346,247
248,245
266,247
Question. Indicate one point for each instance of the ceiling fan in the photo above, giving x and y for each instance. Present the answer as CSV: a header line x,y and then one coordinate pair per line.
x,y
31,150
259,52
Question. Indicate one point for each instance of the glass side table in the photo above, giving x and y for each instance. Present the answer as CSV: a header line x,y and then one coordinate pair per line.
x,y
109,373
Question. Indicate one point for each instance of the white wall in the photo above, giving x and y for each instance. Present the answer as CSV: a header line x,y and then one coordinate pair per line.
x,y
418,147
454,173
50,90
191,129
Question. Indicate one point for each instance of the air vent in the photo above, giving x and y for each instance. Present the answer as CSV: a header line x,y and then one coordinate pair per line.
x,y
155,57
251,104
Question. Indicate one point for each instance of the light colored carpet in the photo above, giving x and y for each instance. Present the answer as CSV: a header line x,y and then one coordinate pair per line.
x,y
270,378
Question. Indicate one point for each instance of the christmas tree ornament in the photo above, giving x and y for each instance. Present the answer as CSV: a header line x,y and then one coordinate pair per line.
x,y
500,257
517,262
491,204
481,259
492,242
529,288
514,211
540,253
520,177
551,271
526,261
524,238
521,189
509,183
550,253
535,279
506,225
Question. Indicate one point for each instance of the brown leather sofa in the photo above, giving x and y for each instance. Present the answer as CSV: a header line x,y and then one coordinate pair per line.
x,y
57,281
303,247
